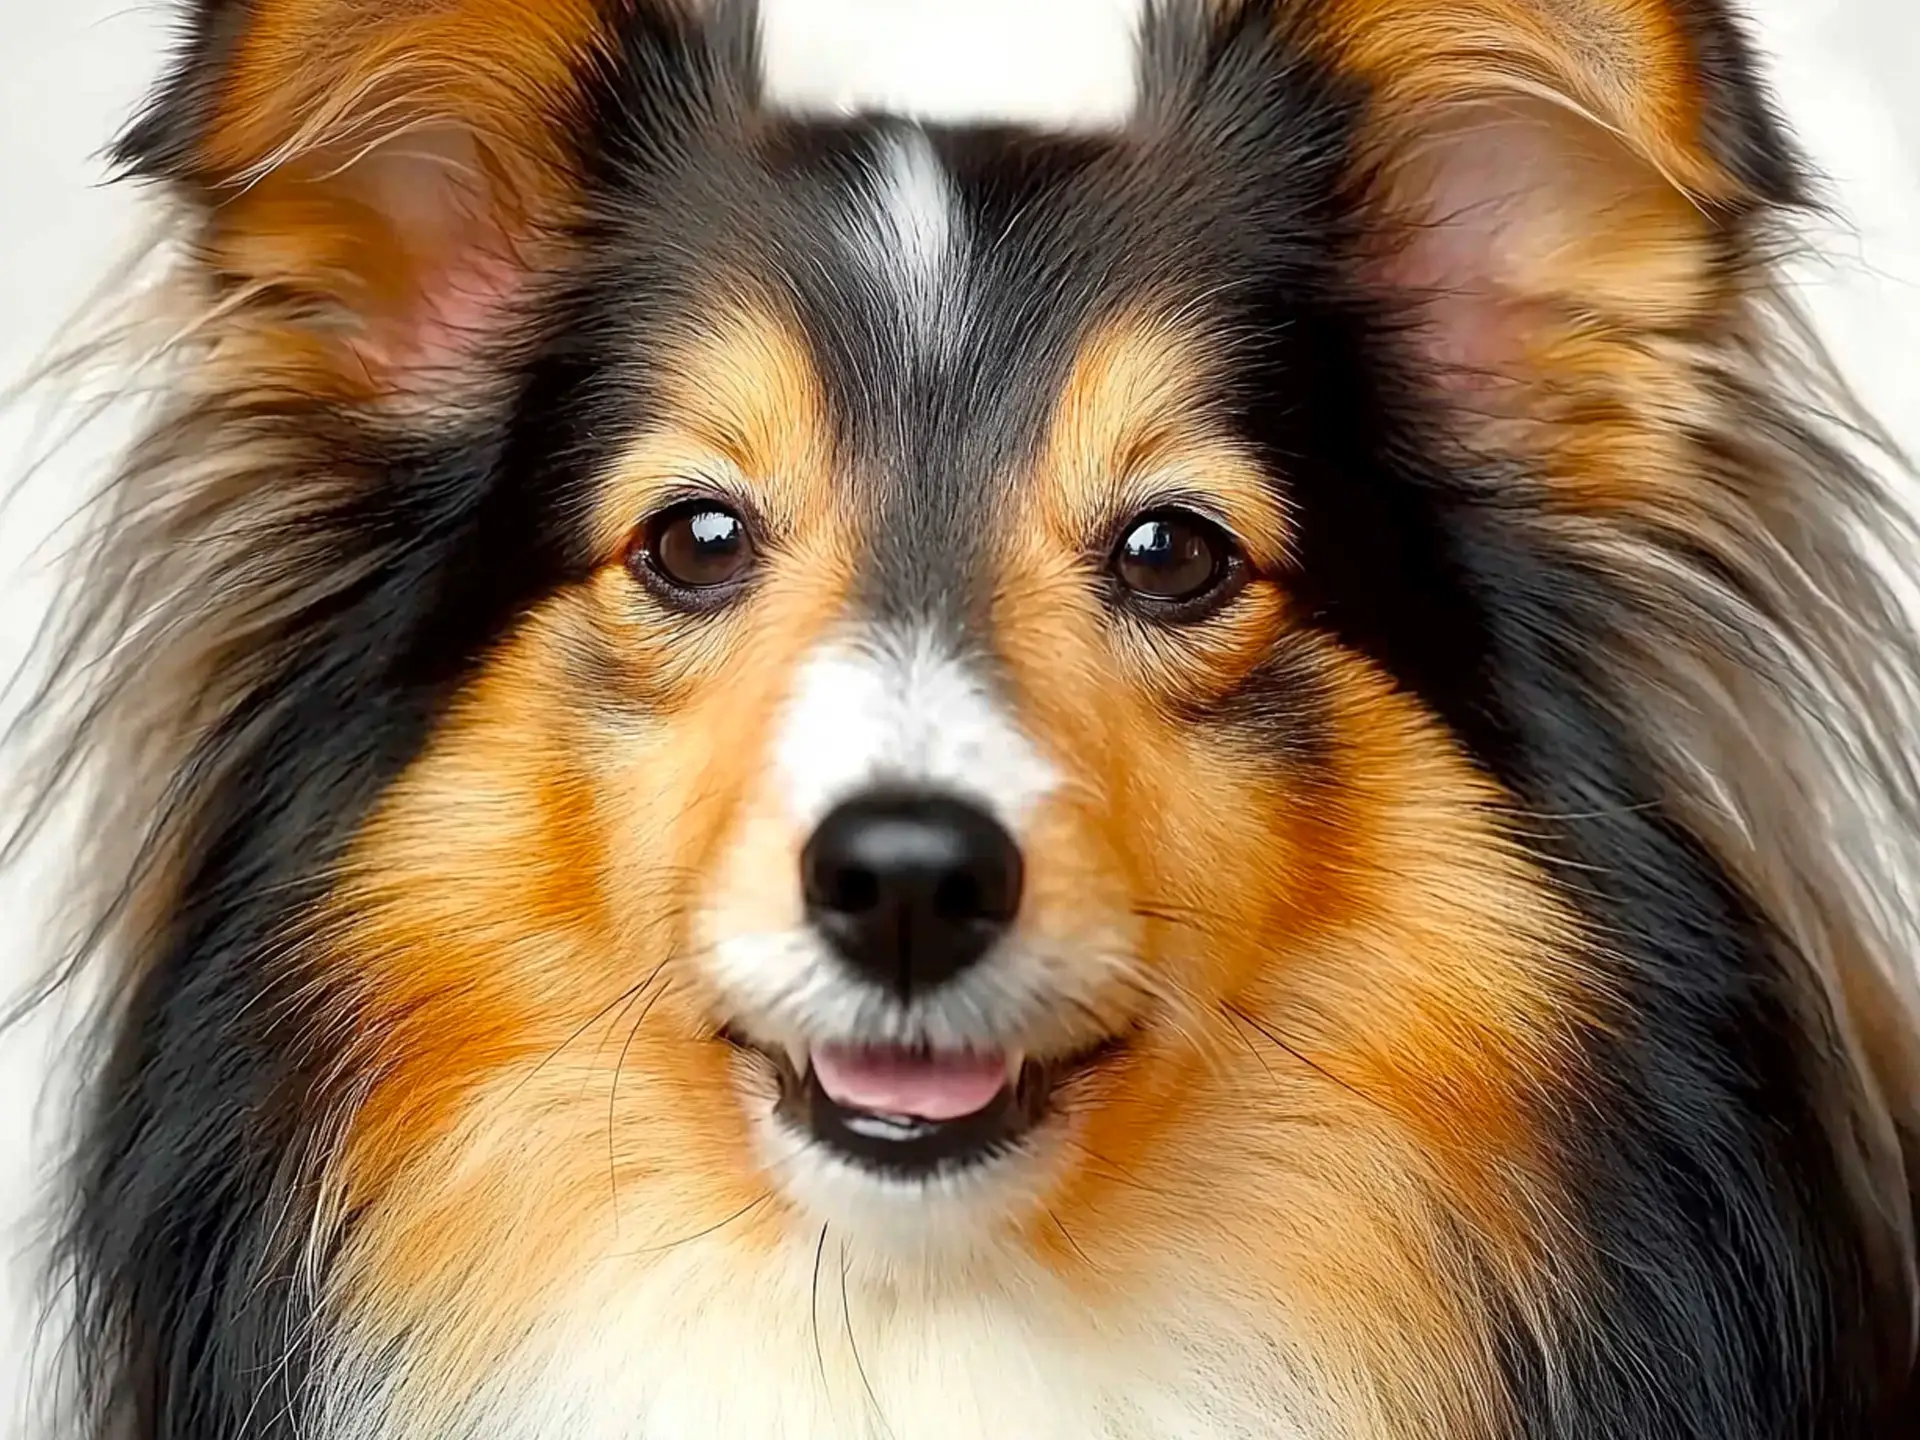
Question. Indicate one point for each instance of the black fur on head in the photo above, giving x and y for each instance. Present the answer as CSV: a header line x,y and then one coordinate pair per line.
x,y
292,582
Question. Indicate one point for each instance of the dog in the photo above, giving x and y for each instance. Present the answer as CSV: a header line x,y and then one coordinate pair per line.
x,y
1206,738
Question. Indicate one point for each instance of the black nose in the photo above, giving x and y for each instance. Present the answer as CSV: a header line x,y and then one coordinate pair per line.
x,y
911,889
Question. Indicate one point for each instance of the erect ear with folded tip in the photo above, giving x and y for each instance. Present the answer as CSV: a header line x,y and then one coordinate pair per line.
x,y
372,181
1556,181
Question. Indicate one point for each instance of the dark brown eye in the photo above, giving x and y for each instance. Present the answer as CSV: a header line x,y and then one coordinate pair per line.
x,y
1174,561
697,546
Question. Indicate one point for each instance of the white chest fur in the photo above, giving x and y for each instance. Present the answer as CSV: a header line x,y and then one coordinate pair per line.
x,y
783,1347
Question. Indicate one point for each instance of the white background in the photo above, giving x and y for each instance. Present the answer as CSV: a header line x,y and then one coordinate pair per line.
x,y
1848,73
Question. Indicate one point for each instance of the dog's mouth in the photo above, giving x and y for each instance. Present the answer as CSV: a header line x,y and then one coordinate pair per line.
x,y
913,1112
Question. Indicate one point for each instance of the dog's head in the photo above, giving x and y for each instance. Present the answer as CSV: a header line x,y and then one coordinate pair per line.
x,y
1181,699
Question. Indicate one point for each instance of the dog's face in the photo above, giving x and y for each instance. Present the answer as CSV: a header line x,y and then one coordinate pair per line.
x,y
946,709
1048,706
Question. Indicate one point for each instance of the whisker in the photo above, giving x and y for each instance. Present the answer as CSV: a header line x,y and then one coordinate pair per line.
x,y
619,1001
1268,1033
1119,1173
1068,1236
613,1088
819,1355
1607,812
1187,917
846,1320
1252,1049
741,1213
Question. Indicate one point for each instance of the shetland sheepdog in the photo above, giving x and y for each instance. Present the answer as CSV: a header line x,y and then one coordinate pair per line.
x,y
1203,738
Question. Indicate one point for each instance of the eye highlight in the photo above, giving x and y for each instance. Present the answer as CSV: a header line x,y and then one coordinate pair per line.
x,y
696,554
1175,565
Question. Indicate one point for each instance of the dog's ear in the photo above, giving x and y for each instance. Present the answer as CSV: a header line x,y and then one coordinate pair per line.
x,y
1556,176
1580,199
367,180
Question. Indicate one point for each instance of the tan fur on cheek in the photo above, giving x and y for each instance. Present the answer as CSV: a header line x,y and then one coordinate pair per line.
x,y
510,928
544,1093
1359,997
1353,991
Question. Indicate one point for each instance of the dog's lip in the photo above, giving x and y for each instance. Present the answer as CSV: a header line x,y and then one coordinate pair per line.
x,y
898,1143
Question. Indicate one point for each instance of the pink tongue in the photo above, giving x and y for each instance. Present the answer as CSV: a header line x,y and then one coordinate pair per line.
x,y
904,1082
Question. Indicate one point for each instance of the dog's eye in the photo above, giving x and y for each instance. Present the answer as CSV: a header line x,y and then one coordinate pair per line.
x,y
699,546
1176,564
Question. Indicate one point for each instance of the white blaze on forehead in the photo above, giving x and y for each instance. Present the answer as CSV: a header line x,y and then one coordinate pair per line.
x,y
902,710
916,216
1057,64
906,236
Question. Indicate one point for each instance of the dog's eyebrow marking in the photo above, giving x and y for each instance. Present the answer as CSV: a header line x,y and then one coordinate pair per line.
x,y
900,709
1056,64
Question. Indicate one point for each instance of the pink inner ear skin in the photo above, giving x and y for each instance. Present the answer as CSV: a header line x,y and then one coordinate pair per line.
x,y
1450,210
456,267
1512,215
461,305
1454,205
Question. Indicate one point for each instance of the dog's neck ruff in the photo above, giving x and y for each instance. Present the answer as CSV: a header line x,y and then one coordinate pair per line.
x,y
802,1342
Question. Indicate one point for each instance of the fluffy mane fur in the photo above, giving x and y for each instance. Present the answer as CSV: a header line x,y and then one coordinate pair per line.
x,y
287,550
